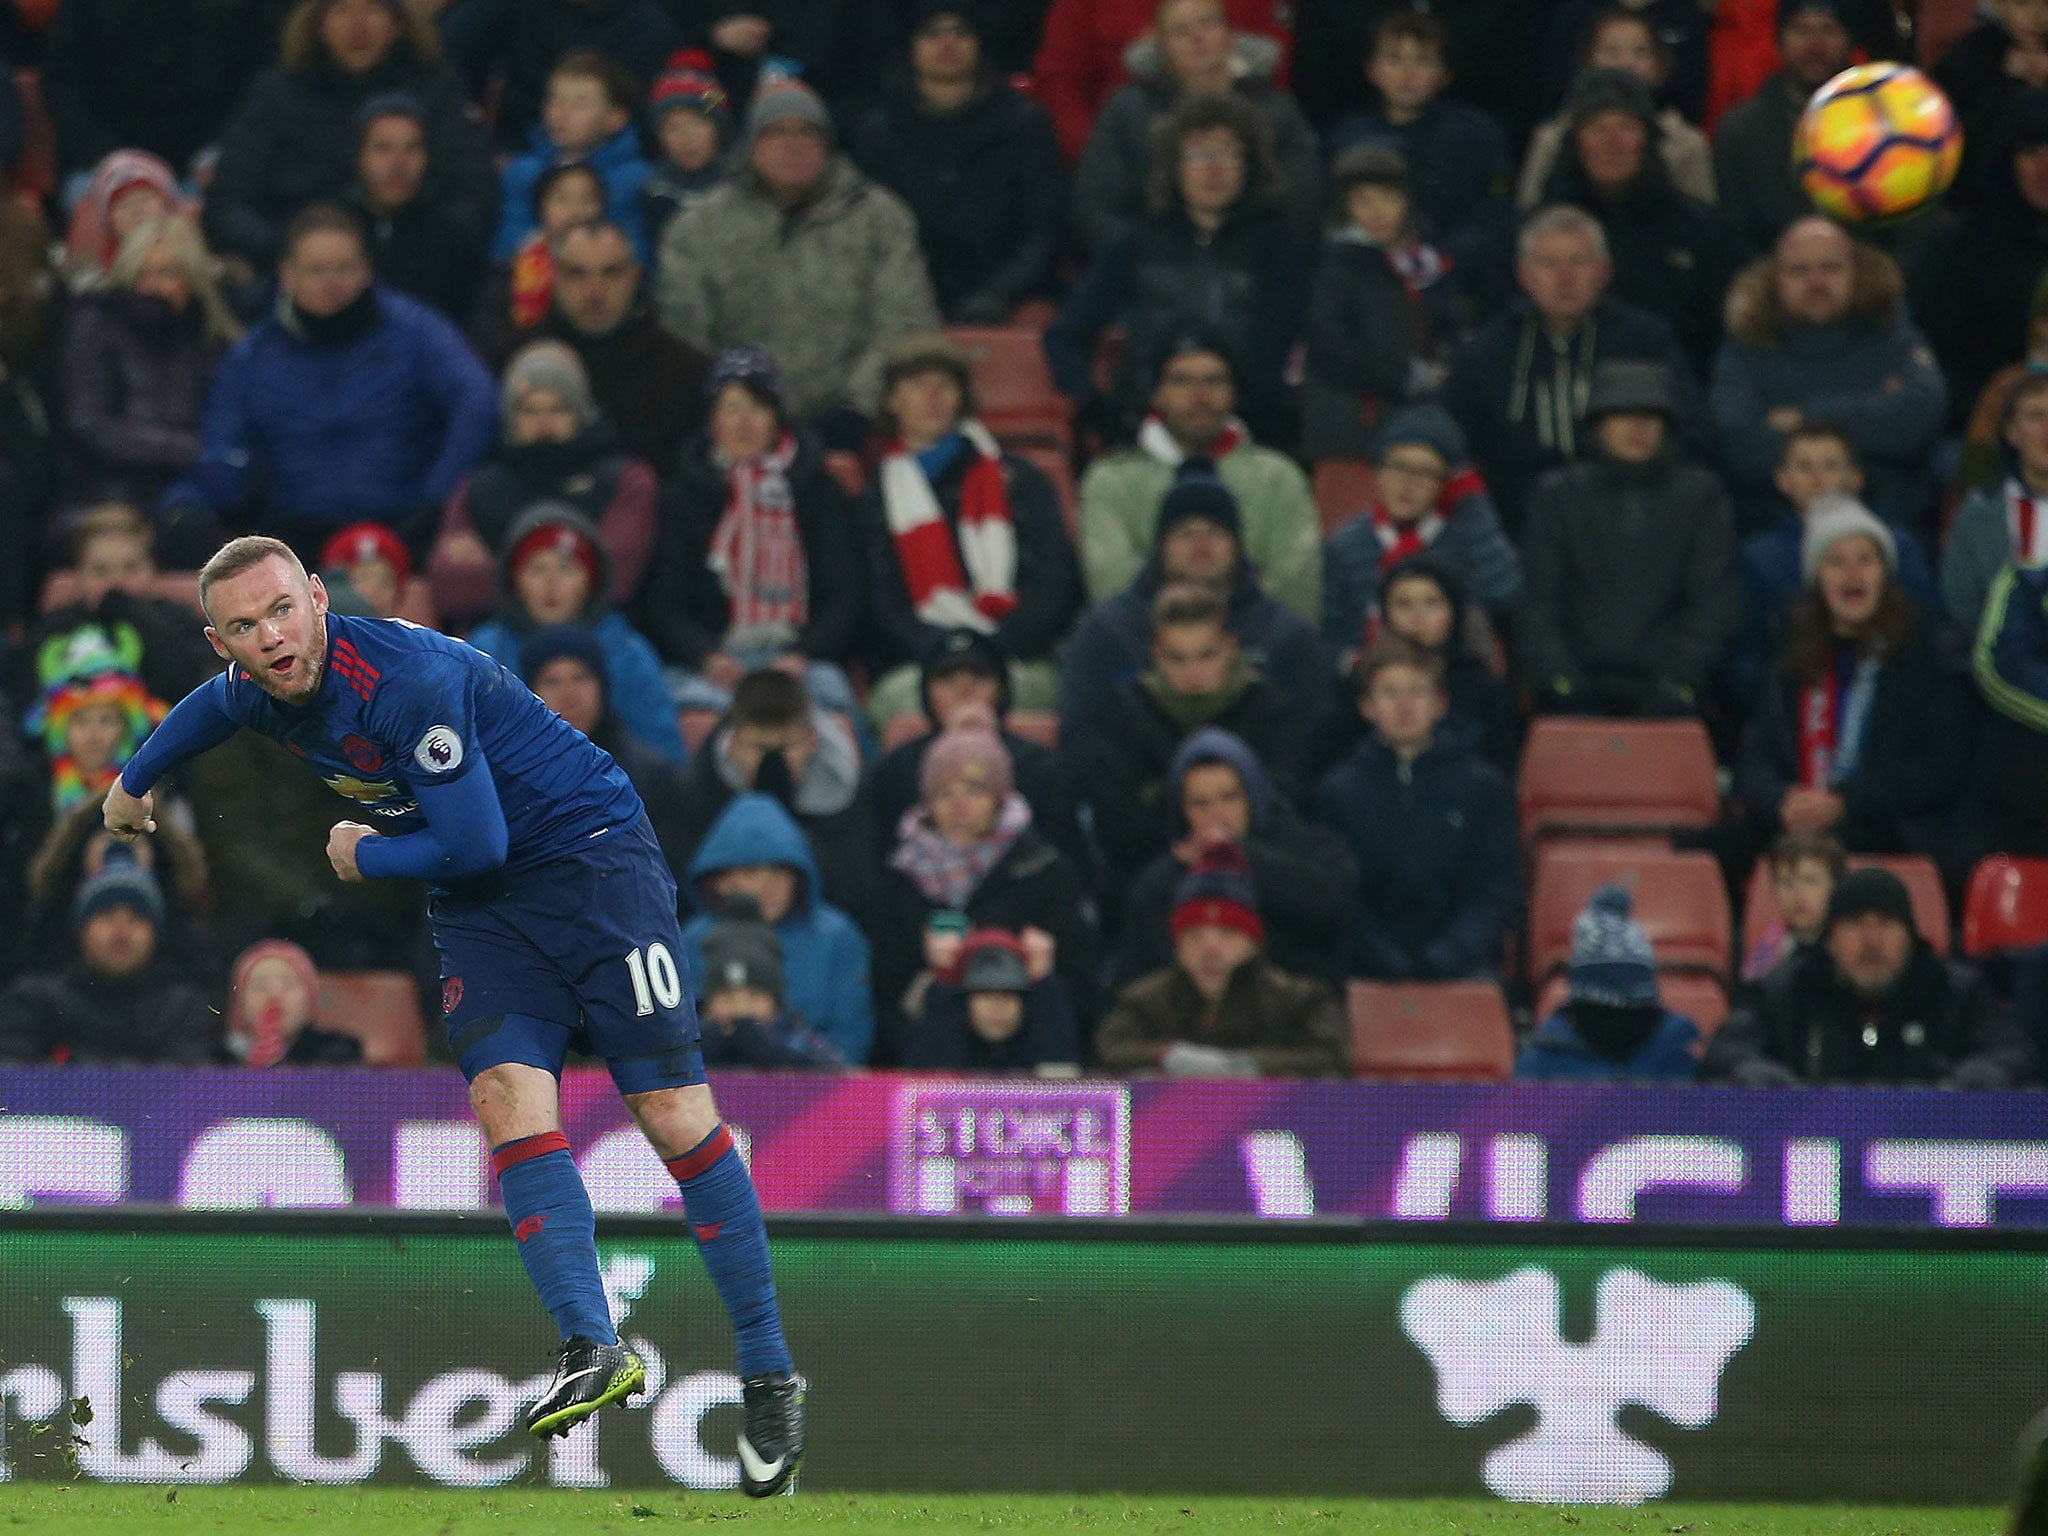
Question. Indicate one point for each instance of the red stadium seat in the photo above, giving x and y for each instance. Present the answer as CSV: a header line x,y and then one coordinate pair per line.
x,y
381,1009
1343,490
1435,1029
1013,390
1920,876
2006,907
1617,776
1699,998
1678,898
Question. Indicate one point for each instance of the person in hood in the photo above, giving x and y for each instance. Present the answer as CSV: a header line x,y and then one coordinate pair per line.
x,y
756,851
1302,873
273,1012
1871,1003
1975,297
1865,728
1199,678
556,570
799,253
137,358
416,244
1223,1009
1213,246
1518,387
757,557
1626,39
966,680
1457,153
1431,825
293,141
555,445
1193,417
998,1009
777,740
118,1001
1673,254
1192,52
1613,1024
743,996
566,666
1819,330
1629,594
587,119
977,164
1426,498
1198,537
350,402
966,857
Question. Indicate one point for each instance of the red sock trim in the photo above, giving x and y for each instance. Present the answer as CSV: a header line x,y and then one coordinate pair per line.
x,y
525,1149
700,1157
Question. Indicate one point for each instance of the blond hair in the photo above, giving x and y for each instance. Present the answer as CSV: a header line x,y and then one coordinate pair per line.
x,y
182,239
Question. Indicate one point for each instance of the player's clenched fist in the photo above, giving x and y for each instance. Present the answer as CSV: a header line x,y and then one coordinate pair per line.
x,y
127,816
341,847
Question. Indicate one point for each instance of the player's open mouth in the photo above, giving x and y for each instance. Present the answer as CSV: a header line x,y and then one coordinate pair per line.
x,y
282,667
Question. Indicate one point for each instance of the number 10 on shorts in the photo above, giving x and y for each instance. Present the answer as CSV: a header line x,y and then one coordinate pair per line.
x,y
655,979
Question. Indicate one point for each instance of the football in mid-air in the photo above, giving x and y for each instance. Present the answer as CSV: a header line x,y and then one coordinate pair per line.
x,y
1876,142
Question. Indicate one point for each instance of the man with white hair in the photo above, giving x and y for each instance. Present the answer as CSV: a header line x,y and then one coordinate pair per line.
x,y
1519,387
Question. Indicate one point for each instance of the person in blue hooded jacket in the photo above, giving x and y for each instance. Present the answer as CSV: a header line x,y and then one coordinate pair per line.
x,y
755,848
1613,1023
586,119
1432,825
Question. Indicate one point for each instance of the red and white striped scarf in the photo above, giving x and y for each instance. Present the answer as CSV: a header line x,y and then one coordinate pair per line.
x,y
2024,521
1400,540
1162,445
957,579
757,552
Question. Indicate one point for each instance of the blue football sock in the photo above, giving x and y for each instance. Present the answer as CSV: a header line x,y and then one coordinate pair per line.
x,y
551,1217
718,1200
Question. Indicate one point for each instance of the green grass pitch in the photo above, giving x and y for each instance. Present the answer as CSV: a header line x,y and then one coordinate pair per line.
x,y
87,1510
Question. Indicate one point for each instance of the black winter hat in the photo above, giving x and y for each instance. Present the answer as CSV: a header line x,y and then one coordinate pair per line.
x,y
966,650
1191,335
1862,891
741,950
1610,90
1197,491
1622,385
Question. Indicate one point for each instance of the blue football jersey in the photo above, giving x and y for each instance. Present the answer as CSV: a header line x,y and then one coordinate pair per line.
x,y
400,706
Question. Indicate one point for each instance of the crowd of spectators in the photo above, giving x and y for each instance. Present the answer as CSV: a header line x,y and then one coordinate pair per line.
x,y
613,335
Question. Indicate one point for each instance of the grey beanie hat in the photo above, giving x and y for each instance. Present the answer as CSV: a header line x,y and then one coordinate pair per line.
x,y
1612,962
1835,518
780,97
554,367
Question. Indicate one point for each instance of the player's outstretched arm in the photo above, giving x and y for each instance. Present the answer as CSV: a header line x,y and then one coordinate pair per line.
x,y
465,833
199,723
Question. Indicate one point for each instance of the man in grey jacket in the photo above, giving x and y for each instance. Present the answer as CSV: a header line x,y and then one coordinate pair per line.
x,y
801,254
1628,591
2008,522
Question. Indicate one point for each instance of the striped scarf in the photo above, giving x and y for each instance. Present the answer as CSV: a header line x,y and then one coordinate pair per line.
x,y
757,552
945,872
939,563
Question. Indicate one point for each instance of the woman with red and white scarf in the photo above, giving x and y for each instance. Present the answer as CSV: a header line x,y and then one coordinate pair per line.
x,y
960,536
757,561
1865,731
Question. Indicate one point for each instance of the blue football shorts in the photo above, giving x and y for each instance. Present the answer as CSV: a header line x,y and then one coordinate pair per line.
x,y
583,953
